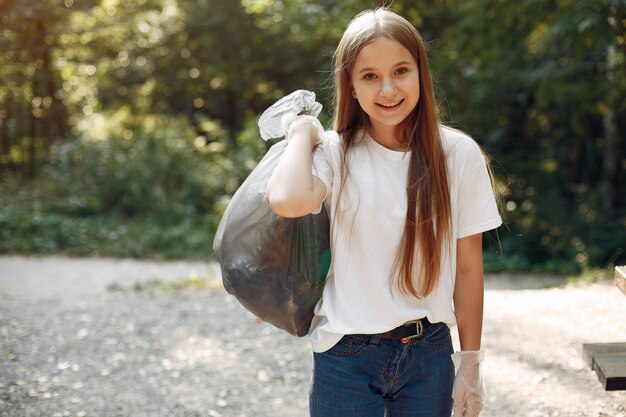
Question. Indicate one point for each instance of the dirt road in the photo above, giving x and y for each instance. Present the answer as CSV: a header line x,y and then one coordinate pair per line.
x,y
71,347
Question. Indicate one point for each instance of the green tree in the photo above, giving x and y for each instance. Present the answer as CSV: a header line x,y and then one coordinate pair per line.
x,y
537,83
32,110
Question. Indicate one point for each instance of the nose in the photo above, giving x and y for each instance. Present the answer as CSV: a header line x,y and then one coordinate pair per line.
x,y
388,87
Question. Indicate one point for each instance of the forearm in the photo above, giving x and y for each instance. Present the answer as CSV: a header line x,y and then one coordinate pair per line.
x,y
468,303
469,292
292,190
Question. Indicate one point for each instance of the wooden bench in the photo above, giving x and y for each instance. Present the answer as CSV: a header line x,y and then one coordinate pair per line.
x,y
620,278
609,359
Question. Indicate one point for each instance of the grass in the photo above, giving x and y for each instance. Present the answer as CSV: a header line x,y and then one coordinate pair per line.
x,y
592,275
168,285
22,232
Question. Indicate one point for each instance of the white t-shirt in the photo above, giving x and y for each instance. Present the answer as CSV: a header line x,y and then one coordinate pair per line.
x,y
366,228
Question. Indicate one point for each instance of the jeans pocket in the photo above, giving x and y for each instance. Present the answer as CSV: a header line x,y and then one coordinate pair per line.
x,y
348,346
437,335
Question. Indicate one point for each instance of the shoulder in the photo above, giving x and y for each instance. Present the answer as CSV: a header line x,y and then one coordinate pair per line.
x,y
331,137
331,143
460,148
329,149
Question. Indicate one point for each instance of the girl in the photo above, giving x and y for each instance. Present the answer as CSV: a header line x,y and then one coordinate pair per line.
x,y
409,199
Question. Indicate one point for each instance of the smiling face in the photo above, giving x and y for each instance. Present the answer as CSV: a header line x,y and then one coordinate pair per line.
x,y
385,81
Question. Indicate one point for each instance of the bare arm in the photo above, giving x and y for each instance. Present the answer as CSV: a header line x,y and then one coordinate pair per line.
x,y
469,291
292,190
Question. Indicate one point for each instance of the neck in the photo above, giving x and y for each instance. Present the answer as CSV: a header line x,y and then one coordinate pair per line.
x,y
386,136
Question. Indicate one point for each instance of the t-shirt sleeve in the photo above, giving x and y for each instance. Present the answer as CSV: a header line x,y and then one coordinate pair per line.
x,y
477,207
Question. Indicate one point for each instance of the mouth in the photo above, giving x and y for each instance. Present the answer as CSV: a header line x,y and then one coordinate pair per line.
x,y
390,106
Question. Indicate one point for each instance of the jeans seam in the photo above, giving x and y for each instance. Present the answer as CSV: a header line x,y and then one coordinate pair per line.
x,y
314,399
435,344
394,378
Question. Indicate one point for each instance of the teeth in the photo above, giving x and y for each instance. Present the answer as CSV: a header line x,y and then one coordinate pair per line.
x,y
391,104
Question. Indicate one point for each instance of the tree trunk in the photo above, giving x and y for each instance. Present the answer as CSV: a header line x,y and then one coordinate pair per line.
x,y
5,143
55,119
612,137
611,160
32,146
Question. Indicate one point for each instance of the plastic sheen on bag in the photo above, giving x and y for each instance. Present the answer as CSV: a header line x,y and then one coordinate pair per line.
x,y
276,267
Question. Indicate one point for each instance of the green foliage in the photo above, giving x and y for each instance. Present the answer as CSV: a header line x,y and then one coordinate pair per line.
x,y
158,192
164,170
535,82
28,232
135,122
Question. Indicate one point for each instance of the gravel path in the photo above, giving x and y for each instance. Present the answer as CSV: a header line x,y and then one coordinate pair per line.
x,y
70,347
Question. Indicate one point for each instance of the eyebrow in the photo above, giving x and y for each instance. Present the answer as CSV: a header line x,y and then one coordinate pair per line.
x,y
373,69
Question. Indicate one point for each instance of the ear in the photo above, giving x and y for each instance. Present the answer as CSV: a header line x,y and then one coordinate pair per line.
x,y
353,93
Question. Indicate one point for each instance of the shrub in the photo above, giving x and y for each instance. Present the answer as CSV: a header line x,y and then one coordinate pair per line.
x,y
157,190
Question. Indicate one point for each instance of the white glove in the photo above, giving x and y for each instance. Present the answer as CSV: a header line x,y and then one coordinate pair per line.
x,y
290,111
469,390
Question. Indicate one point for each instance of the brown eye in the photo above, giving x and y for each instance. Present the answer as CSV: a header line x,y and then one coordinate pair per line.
x,y
402,70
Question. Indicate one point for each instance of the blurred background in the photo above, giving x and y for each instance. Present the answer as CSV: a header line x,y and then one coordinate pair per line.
x,y
125,127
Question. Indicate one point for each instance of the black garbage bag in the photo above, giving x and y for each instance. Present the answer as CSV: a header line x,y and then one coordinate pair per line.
x,y
276,267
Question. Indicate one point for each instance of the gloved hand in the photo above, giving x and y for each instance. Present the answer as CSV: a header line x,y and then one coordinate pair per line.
x,y
469,390
290,111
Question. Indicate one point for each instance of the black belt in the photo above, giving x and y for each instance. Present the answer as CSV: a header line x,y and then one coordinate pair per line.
x,y
409,330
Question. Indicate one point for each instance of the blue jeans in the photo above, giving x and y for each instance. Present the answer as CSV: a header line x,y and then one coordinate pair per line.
x,y
366,376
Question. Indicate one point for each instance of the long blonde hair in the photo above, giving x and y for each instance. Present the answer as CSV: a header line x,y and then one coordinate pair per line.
x,y
428,217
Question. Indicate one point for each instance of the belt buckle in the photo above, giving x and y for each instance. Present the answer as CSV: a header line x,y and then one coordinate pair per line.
x,y
419,328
